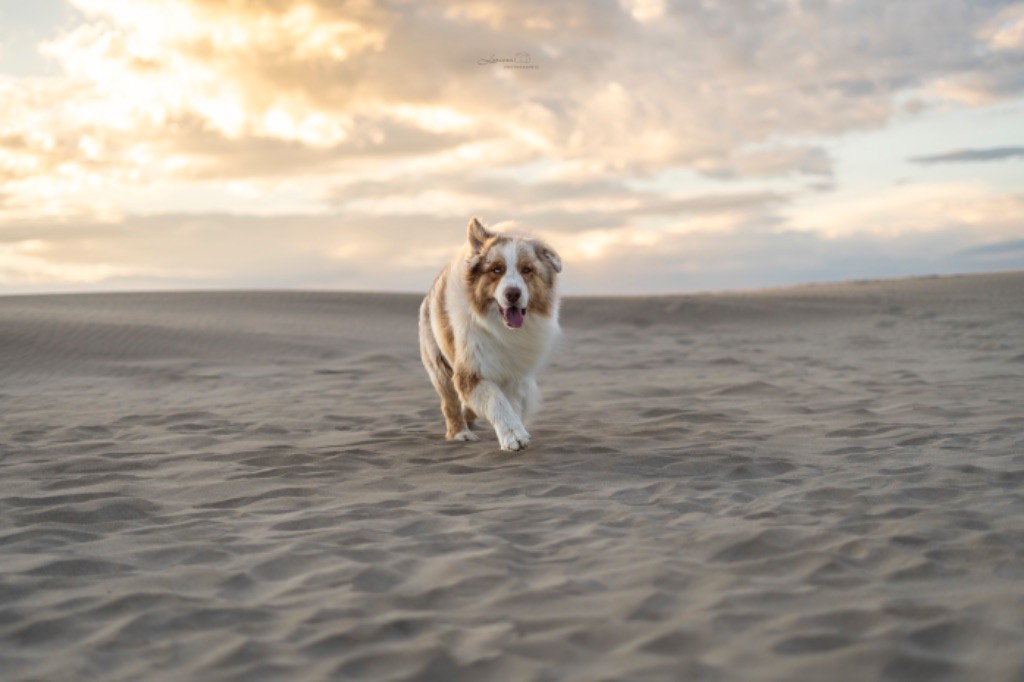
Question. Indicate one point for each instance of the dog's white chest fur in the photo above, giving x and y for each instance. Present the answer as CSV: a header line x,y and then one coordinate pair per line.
x,y
506,356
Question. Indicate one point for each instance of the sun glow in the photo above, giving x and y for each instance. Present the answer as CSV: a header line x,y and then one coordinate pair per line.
x,y
599,244
26,261
149,62
434,119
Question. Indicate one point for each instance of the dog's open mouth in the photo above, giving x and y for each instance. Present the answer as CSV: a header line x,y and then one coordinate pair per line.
x,y
513,316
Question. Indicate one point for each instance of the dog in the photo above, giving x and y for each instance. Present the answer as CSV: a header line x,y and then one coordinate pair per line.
x,y
486,327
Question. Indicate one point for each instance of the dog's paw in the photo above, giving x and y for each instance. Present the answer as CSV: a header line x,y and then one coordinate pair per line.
x,y
464,436
514,440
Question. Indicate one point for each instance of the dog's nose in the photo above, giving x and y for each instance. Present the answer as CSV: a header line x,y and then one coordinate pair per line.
x,y
513,295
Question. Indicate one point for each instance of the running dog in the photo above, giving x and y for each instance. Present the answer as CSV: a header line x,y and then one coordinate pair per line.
x,y
487,325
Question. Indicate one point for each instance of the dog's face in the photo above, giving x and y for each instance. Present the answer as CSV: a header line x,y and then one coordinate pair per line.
x,y
516,275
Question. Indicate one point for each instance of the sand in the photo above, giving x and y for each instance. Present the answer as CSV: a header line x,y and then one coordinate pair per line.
x,y
819,483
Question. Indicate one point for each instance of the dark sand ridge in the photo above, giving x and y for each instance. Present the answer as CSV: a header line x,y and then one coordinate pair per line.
x,y
814,483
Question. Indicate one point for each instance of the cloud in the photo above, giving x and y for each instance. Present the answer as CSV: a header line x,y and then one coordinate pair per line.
x,y
725,243
1005,31
323,82
972,155
748,260
557,205
1008,249
813,161
214,141
915,208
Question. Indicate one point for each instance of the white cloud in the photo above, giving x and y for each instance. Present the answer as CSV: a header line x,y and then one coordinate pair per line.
x,y
913,209
337,117
28,261
1006,30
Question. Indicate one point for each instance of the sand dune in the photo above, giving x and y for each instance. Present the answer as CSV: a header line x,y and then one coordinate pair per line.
x,y
815,483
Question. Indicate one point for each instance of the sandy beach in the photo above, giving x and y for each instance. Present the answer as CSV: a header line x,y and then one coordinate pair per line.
x,y
816,483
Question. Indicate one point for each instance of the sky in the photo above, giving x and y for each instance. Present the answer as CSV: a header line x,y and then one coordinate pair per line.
x,y
659,146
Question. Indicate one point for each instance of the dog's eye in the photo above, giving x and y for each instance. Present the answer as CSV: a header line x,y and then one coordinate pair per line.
x,y
496,270
527,270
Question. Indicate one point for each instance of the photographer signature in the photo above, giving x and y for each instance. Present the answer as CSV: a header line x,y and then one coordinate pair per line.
x,y
521,59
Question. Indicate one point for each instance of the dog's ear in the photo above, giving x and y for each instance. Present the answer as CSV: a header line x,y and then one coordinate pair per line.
x,y
478,234
546,253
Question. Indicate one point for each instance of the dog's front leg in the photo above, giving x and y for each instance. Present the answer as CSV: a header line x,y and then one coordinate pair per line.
x,y
489,399
486,398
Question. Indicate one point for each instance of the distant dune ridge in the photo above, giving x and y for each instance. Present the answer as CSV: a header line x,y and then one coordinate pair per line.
x,y
822,482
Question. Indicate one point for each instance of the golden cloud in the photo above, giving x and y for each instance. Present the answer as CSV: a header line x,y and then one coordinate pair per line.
x,y
364,112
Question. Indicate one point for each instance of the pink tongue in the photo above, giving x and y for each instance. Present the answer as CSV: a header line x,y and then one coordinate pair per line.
x,y
513,317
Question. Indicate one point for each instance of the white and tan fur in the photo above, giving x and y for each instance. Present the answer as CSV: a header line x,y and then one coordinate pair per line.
x,y
481,352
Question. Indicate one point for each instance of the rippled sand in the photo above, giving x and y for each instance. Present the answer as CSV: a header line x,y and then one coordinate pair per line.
x,y
814,483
